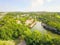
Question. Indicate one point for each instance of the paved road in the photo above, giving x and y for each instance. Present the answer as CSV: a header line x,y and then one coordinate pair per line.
x,y
22,43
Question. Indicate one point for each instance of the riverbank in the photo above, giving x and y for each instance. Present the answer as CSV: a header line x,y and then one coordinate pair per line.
x,y
38,26
49,28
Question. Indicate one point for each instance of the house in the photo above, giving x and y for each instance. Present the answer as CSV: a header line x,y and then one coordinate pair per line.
x,y
29,21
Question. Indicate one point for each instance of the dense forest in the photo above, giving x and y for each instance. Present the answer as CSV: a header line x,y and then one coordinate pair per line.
x,y
13,27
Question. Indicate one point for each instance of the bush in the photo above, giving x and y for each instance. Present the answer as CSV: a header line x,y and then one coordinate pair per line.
x,y
37,38
7,42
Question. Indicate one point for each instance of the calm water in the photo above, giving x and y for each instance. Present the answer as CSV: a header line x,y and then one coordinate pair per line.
x,y
39,27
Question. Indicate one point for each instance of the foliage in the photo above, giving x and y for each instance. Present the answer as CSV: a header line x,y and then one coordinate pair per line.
x,y
7,42
37,38
11,30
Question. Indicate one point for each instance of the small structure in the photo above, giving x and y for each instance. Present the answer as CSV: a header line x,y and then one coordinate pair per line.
x,y
29,21
18,21
32,24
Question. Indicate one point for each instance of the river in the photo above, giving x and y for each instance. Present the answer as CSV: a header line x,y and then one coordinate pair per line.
x,y
37,26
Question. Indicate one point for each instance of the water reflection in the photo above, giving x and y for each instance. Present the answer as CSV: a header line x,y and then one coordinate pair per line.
x,y
39,27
